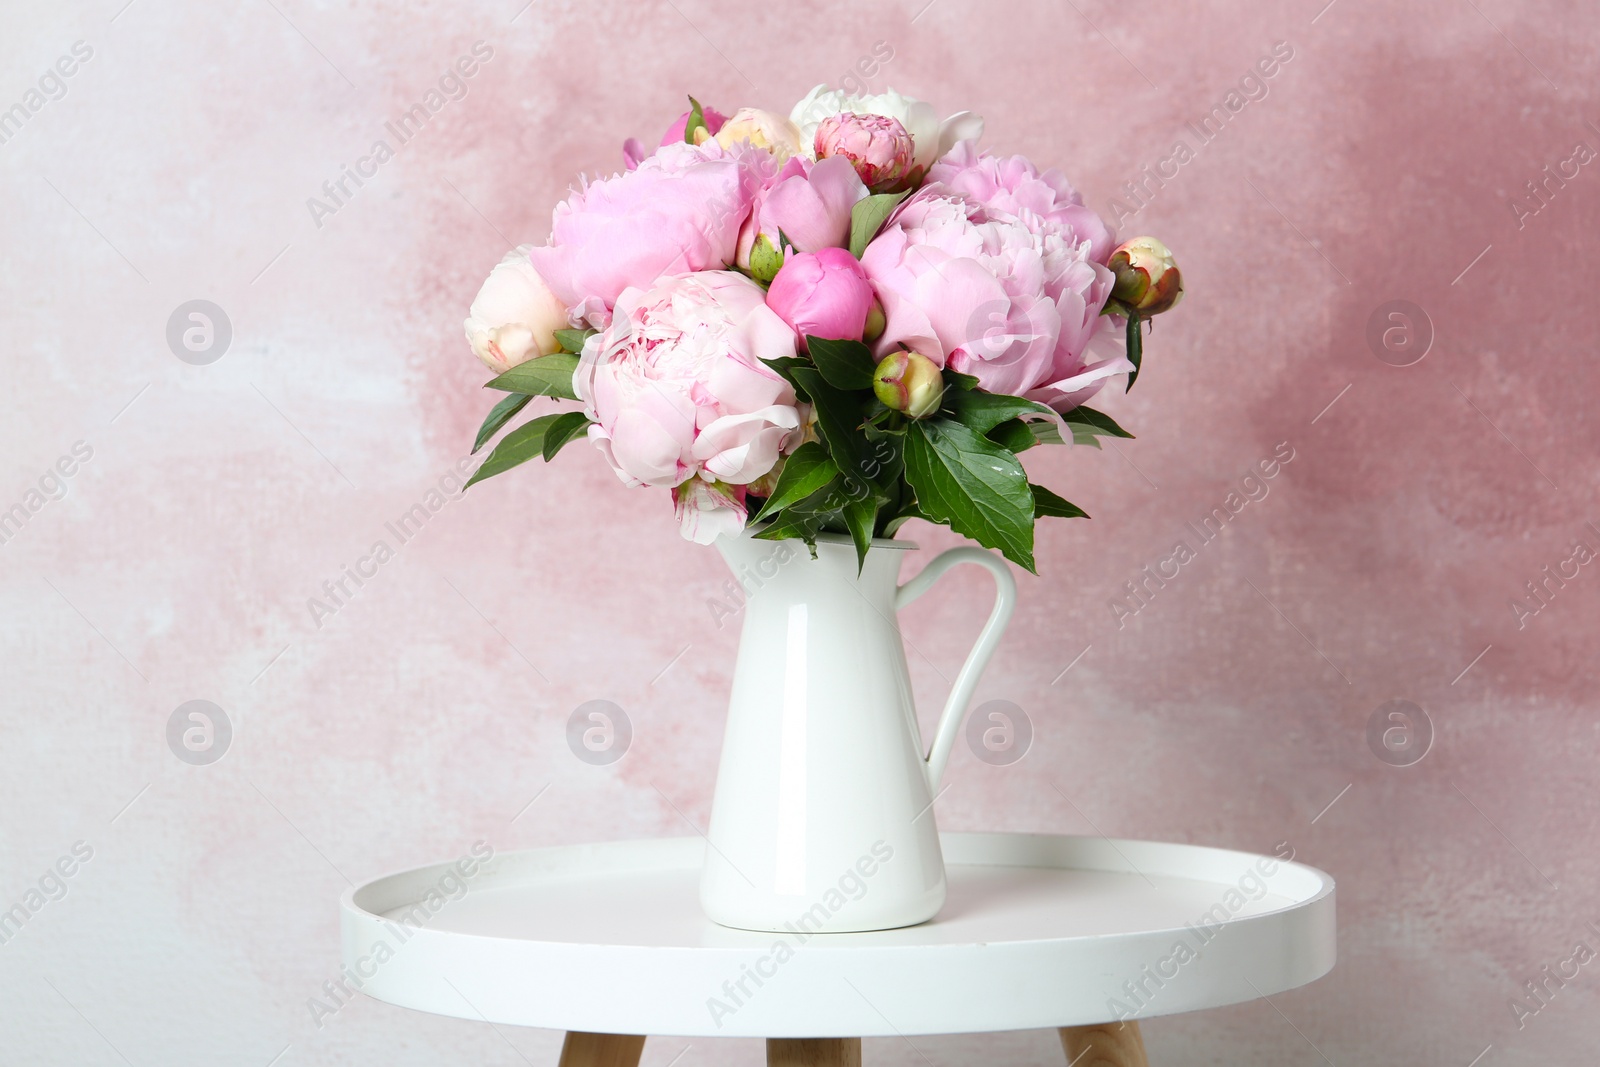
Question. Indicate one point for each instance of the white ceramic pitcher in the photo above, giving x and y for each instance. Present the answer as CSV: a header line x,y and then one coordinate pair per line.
x,y
823,816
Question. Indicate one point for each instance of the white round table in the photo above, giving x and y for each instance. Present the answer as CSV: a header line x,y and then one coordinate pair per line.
x,y
607,942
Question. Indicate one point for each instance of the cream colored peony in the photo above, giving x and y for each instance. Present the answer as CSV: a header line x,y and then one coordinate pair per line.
x,y
515,315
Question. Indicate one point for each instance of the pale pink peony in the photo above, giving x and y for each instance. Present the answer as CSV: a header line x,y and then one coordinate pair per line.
x,y
681,210
809,203
709,510
1011,188
878,146
677,391
822,294
1014,305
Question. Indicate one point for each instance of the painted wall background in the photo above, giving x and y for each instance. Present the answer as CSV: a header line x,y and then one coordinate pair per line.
x,y
1387,160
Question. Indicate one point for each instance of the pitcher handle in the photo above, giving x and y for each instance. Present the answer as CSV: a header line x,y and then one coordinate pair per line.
x,y
1005,599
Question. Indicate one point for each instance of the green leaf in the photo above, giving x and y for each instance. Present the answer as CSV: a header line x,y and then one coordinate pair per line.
x,y
1013,435
901,517
788,526
844,364
804,472
499,415
785,366
567,426
956,380
1047,503
1047,432
838,418
1135,348
1098,421
859,517
516,447
572,340
697,121
982,412
868,217
972,485
543,376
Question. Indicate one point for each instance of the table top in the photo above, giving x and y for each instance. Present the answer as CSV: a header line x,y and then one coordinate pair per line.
x,y
1037,931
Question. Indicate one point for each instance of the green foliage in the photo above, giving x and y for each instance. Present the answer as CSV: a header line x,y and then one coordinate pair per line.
x,y
572,340
499,415
972,485
1047,503
542,376
807,470
697,121
567,426
843,364
868,217
1135,348
528,440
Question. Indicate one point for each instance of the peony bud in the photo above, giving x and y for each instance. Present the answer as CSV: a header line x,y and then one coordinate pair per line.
x,y
878,146
821,294
515,315
711,121
909,382
1148,281
876,322
765,260
761,129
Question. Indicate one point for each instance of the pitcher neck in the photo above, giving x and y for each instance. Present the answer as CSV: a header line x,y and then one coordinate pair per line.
x,y
759,564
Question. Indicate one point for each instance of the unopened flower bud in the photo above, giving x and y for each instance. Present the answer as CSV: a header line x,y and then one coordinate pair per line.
x,y
1148,281
876,322
878,146
909,382
765,260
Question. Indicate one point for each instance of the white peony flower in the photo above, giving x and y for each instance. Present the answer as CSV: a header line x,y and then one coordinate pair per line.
x,y
931,137
515,315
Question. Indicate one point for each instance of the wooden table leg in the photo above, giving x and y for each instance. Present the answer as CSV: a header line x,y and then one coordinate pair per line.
x,y
601,1050
1106,1045
813,1052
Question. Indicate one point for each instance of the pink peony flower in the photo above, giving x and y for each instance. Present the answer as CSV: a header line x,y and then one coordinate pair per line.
x,y
680,211
822,294
1011,188
931,137
808,202
714,120
1013,304
877,146
677,390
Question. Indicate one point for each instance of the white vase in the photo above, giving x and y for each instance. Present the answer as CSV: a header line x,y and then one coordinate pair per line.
x,y
823,816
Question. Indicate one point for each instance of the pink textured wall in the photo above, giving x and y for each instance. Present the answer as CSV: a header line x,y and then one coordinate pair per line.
x,y
1385,162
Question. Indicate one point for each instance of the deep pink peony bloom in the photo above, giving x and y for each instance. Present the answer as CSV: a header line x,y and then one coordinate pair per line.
x,y
822,294
714,120
1011,188
678,391
878,146
809,203
680,211
1016,306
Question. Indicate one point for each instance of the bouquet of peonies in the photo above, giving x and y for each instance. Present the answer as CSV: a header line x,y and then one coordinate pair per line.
x,y
834,321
